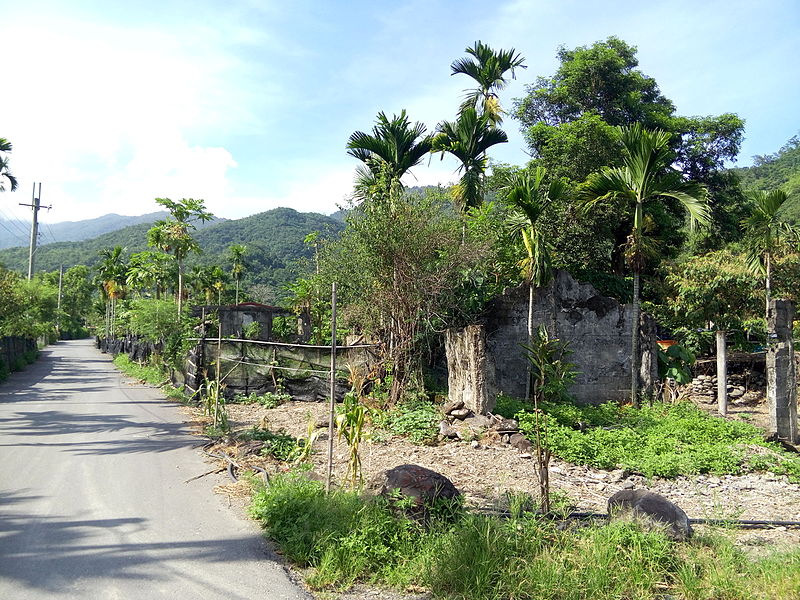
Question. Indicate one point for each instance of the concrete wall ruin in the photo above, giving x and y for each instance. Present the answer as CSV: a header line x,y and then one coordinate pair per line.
x,y
485,360
781,371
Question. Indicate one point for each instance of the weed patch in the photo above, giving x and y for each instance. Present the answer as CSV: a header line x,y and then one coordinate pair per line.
x,y
267,399
146,373
664,440
280,446
346,539
414,418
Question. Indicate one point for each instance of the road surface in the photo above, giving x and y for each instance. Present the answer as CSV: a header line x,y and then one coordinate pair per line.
x,y
95,501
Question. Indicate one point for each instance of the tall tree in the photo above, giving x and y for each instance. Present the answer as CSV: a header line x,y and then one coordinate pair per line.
x,y
468,138
111,275
5,174
173,234
393,147
236,256
150,270
529,193
644,177
488,68
767,234
568,120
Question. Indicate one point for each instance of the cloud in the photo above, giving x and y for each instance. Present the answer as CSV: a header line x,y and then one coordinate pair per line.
x,y
110,117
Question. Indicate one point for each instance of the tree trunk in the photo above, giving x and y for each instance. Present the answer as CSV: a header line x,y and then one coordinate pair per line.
x,y
180,288
768,286
722,373
529,342
237,290
635,358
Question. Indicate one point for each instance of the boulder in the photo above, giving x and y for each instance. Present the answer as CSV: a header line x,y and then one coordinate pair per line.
x,y
653,510
423,486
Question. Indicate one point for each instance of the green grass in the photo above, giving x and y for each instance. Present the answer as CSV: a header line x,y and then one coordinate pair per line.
x,y
663,440
150,374
344,539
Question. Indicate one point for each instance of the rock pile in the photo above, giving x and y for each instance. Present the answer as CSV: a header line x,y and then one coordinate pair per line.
x,y
742,389
462,424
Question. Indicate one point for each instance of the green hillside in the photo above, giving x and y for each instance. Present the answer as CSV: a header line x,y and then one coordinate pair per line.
x,y
275,242
779,170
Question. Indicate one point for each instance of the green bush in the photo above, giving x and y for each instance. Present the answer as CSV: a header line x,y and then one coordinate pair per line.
x,y
4,371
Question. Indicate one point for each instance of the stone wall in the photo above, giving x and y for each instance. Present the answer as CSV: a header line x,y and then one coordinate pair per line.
x,y
596,327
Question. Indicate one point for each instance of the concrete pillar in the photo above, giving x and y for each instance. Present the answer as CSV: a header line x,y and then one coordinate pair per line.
x,y
469,369
781,378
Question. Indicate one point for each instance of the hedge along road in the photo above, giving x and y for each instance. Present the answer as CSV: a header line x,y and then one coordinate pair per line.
x,y
95,500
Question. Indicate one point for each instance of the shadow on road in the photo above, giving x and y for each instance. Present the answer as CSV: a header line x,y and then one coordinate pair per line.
x,y
50,552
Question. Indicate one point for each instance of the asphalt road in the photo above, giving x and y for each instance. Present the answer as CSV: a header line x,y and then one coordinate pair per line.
x,y
94,498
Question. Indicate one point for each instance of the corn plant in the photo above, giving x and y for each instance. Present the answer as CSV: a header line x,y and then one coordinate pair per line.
x,y
350,423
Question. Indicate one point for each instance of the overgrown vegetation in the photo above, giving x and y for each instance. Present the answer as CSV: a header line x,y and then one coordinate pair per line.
x,y
345,539
416,417
664,440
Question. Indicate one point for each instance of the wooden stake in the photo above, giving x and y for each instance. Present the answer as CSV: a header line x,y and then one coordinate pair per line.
x,y
333,390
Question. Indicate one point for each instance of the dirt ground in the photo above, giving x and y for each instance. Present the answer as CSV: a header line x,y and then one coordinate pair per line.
x,y
486,472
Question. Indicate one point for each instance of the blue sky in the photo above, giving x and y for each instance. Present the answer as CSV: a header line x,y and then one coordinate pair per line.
x,y
249,103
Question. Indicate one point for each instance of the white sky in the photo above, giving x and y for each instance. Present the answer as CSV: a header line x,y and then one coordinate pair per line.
x,y
248,104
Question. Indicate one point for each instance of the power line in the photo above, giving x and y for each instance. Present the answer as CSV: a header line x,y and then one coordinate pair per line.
x,y
16,222
14,235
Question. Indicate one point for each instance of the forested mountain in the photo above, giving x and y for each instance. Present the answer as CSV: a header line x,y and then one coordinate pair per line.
x,y
15,233
779,170
274,240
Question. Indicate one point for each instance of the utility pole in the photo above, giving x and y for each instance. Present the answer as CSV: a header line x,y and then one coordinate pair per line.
x,y
34,226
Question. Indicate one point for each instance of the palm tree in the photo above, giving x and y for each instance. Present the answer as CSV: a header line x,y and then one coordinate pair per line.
x,y
645,177
766,234
393,147
206,280
5,146
173,234
488,68
468,139
236,253
111,273
527,191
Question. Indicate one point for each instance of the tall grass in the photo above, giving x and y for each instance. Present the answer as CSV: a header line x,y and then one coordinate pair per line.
x,y
345,539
